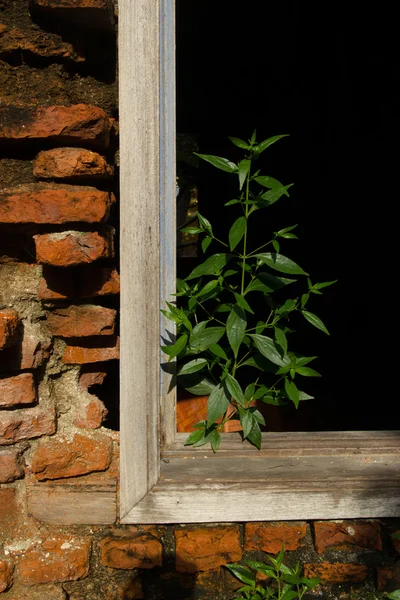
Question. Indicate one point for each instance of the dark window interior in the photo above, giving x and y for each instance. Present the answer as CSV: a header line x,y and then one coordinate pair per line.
x,y
330,78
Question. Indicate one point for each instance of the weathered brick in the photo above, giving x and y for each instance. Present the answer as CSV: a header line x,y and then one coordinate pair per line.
x,y
26,424
6,575
10,467
141,552
17,390
89,378
14,42
71,163
60,458
47,591
388,578
103,281
93,14
345,534
81,321
71,248
30,354
337,572
43,203
270,537
80,355
206,548
10,327
79,124
92,415
55,559
87,281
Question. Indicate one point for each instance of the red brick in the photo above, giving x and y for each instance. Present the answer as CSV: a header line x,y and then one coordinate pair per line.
x,y
87,281
80,355
56,285
14,42
103,281
55,559
30,355
388,578
346,534
81,321
337,572
97,14
10,467
60,458
142,552
26,424
43,203
71,248
10,327
92,415
6,575
71,163
17,390
270,537
206,548
79,124
89,378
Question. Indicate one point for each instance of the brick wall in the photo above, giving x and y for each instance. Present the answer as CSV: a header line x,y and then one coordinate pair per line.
x,y
59,284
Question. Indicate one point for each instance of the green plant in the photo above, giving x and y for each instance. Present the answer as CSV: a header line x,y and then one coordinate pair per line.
x,y
284,583
232,316
394,595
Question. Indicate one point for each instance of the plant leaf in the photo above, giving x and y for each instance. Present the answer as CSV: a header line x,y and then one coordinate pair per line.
x,y
205,223
195,437
205,242
267,143
234,389
266,346
220,163
246,421
193,366
281,339
237,231
244,168
268,182
243,574
269,198
264,282
255,435
235,328
316,321
243,303
292,392
320,286
211,266
176,348
200,386
239,143
218,351
218,404
307,372
205,338
207,288
215,440
279,263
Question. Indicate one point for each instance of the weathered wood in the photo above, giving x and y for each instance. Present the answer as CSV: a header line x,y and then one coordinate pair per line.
x,y
66,504
296,443
139,90
167,207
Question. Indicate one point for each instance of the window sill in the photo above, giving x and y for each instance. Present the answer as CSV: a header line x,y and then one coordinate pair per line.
x,y
323,475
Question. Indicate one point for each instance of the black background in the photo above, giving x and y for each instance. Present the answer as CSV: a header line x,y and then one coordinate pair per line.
x,y
330,78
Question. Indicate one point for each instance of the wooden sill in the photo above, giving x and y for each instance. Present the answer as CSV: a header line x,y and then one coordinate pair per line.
x,y
322,475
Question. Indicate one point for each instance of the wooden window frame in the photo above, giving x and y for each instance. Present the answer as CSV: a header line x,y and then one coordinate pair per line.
x,y
329,475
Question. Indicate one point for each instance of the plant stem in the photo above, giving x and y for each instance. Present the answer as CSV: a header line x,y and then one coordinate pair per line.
x,y
259,248
245,232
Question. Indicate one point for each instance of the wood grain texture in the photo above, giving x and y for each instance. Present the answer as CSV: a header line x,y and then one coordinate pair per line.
x,y
66,504
167,207
139,89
